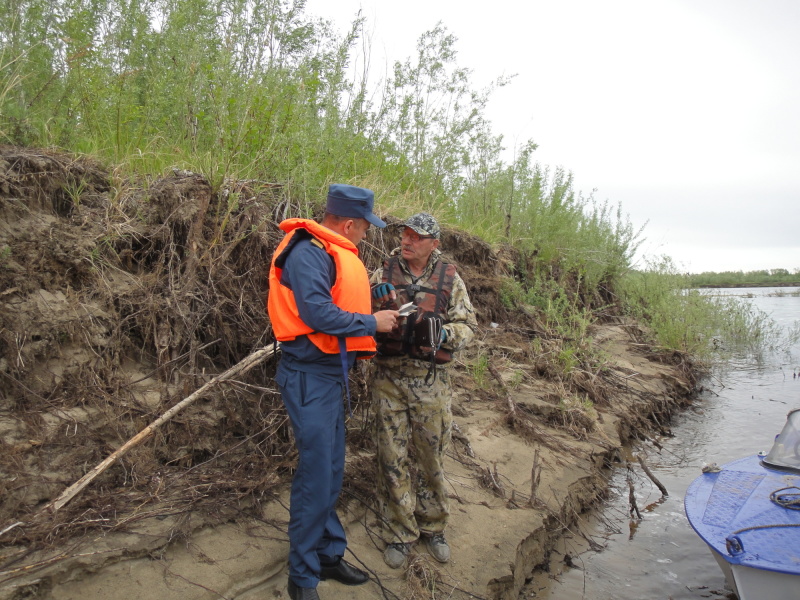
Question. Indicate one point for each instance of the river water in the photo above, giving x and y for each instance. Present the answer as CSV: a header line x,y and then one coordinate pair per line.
x,y
660,557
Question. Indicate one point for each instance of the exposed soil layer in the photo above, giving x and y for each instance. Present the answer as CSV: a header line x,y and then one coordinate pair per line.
x,y
118,298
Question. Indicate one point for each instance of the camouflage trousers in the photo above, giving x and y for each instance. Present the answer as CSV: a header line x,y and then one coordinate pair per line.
x,y
413,423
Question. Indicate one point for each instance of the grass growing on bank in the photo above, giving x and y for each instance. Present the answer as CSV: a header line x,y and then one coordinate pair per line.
x,y
262,91
700,324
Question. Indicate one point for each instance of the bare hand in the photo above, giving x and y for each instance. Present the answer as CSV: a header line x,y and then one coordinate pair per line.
x,y
386,320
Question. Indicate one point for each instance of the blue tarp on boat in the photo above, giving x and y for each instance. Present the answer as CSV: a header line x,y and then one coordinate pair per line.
x,y
733,513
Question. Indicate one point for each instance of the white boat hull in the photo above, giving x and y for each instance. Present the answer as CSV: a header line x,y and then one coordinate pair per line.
x,y
758,584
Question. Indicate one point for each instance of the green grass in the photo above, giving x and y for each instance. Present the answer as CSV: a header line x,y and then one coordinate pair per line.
x,y
284,108
705,326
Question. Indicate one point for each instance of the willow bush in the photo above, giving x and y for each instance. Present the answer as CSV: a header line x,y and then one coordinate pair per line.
x,y
764,277
258,89
709,327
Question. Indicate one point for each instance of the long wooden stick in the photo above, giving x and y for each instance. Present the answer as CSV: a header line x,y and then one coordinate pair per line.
x,y
242,366
632,498
651,476
536,475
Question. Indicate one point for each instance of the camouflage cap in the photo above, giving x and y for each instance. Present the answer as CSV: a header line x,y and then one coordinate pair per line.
x,y
424,224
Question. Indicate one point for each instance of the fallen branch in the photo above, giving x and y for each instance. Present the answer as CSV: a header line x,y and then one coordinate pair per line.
x,y
492,481
509,401
10,527
241,367
651,476
536,475
632,499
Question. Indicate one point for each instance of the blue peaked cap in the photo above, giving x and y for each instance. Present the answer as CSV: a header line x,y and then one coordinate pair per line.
x,y
354,202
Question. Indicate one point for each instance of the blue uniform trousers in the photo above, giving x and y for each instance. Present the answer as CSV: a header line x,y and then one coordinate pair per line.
x,y
314,404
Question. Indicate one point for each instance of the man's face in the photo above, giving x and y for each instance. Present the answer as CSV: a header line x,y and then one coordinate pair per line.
x,y
417,248
357,231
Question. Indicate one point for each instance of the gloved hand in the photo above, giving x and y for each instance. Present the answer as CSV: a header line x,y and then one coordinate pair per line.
x,y
382,291
428,331
444,335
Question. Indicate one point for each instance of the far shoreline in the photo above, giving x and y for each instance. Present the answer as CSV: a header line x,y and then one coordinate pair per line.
x,y
749,285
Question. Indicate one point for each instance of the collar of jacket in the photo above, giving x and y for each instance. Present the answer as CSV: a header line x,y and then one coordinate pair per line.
x,y
319,231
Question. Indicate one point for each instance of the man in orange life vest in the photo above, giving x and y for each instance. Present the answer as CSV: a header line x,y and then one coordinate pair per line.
x,y
320,308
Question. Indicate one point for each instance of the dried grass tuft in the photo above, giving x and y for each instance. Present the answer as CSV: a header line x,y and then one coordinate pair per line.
x,y
422,578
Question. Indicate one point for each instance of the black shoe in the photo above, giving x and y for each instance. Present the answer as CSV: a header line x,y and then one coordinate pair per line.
x,y
345,573
300,593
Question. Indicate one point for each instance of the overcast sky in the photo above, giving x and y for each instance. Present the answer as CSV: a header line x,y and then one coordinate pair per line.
x,y
687,112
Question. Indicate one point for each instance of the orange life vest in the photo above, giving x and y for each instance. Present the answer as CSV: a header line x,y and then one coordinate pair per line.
x,y
350,291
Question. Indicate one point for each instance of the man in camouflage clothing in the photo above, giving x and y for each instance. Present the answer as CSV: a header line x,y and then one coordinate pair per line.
x,y
411,388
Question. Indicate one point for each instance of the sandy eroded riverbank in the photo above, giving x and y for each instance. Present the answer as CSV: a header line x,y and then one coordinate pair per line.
x,y
120,298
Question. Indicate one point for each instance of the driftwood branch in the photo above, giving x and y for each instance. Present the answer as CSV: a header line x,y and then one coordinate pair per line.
x,y
536,475
509,401
10,527
651,476
492,480
632,499
239,368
